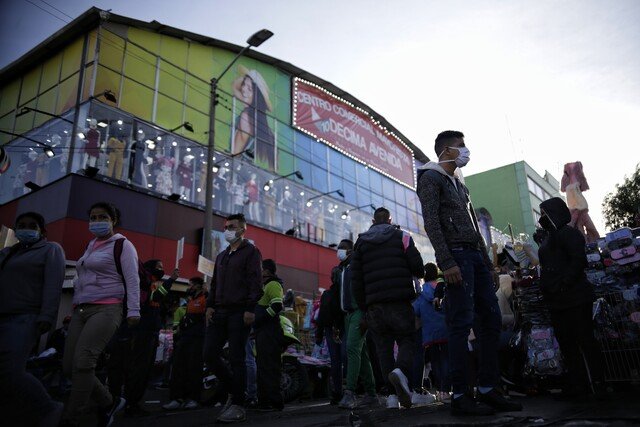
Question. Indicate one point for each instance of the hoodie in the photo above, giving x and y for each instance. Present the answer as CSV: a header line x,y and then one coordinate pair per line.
x,y
449,219
563,259
383,264
434,329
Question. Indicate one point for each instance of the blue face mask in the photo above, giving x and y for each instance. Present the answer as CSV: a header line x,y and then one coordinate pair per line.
x,y
27,236
100,229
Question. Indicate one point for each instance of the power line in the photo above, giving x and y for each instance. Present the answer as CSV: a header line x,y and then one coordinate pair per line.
x,y
55,8
46,11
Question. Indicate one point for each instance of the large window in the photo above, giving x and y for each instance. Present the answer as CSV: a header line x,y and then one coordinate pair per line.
x,y
535,189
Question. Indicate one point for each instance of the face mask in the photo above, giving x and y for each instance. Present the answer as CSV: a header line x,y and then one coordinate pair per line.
x,y
464,155
230,236
158,273
546,223
27,236
342,254
100,229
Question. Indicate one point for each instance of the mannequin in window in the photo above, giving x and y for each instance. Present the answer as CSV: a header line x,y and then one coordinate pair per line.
x,y
92,144
286,209
269,203
164,173
202,185
253,197
137,162
220,190
237,194
574,183
42,169
185,176
115,149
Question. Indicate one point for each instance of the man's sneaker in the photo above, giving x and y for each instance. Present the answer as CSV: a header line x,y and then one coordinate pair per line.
x,y
172,406
348,400
497,401
190,404
107,416
135,411
234,414
369,401
226,405
392,402
422,399
465,405
401,384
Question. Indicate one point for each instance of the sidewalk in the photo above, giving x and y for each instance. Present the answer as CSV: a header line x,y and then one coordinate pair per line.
x,y
621,410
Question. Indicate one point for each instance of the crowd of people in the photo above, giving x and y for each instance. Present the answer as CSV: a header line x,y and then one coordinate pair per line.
x,y
385,315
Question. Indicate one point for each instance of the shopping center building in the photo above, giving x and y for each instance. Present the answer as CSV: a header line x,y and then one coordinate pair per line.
x,y
116,109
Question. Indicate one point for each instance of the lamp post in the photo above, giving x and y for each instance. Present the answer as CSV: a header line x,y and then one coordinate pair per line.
x,y
310,201
254,41
268,184
48,150
345,214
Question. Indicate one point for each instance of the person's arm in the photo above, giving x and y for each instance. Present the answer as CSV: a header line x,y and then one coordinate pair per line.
x,y
54,268
273,291
415,260
129,262
574,244
357,282
164,288
429,195
254,279
243,134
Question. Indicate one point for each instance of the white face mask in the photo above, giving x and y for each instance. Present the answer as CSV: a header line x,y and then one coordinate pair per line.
x,y
230,236
464,155
342,254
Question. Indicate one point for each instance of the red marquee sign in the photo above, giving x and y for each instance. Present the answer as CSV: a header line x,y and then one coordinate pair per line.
x,y
352,131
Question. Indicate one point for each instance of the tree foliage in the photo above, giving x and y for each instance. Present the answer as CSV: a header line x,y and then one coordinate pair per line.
x,y
622,206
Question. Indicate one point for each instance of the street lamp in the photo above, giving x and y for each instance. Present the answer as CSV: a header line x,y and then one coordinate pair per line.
x,y
269,184
188,126
254,41
345,214
108,95
46,148
339,192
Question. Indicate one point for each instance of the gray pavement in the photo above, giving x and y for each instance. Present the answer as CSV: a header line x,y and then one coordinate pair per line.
x,y
621,409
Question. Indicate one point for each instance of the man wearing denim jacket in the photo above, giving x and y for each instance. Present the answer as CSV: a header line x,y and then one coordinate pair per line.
x,y
470,302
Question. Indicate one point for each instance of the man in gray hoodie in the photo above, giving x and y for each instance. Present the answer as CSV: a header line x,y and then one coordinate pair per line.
x,y
470,301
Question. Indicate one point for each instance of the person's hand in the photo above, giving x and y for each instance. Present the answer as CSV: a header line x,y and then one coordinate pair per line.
x,y
249,318
175,274
363,326
453,275
209,314
44,327
133,321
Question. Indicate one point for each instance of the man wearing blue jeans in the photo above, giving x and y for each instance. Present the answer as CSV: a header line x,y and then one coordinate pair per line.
x,y
470,300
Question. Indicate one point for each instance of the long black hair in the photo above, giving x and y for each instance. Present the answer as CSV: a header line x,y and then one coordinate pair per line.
x,y
264,139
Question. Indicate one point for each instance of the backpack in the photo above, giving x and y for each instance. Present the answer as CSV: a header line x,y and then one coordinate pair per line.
x,y
145,281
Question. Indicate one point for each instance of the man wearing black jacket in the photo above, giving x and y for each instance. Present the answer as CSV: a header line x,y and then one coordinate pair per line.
x,y
384,263
235,289
569,296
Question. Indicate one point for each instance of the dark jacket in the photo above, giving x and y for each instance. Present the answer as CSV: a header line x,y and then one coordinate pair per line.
x,y
151,310
563,259
384,262
237,279
31,279
448,215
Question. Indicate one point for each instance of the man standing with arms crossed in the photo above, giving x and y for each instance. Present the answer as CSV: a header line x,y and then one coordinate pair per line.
x,y
461,254
235,289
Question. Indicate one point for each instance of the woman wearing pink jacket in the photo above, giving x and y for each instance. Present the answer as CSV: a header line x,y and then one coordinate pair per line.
x,y
100,291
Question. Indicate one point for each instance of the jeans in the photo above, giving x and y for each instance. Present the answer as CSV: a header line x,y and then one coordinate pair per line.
x,y
186,378
472,304
91,329
19,390
336,352
417,374
392,323
358,364
440,366
250,360
269,344
574,331
228,326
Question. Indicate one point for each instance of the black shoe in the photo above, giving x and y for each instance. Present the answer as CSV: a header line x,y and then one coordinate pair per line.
x,y
135,411
465,405
106,417
497,401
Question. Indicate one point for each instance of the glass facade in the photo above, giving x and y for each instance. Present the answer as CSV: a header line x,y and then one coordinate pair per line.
x,y
161,82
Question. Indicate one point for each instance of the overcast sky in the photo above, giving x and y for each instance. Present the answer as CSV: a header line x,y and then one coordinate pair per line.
x,y
548,82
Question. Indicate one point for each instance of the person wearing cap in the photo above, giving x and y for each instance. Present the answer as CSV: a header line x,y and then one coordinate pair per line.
x,y
253,133
31,274
269,339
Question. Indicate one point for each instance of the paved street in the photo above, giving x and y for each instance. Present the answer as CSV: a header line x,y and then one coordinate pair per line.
x,y
621,410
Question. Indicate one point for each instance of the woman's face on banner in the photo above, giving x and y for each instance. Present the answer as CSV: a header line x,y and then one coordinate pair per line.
x,y
247,89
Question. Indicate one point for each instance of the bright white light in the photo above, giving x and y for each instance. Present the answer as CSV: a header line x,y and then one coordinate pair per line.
x,y
158,138
119,122
309,204
175,144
